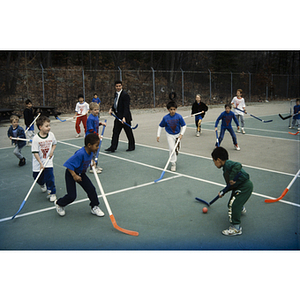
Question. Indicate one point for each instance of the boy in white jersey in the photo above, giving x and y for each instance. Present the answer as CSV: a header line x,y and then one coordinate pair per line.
x,y
43,146
239,102
81,111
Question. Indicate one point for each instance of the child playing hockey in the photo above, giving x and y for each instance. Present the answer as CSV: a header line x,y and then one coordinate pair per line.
x,y
239,105
175,128
81,111
241,189
199,107
226,118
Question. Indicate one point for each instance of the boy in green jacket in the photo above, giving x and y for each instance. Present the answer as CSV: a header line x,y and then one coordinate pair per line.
x,y
241,189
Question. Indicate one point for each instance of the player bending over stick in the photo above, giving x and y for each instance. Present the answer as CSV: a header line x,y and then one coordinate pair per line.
x,y
241,189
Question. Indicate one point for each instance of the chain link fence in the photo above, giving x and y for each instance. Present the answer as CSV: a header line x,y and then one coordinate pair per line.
x,y
147,88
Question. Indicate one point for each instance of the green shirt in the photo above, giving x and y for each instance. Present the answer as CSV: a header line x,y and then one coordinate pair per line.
x,y
231,169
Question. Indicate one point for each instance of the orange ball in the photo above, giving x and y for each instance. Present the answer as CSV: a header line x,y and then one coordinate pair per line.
x,y
204,210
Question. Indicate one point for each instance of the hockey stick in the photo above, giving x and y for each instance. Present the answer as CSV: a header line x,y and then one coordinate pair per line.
x,y
218,145
101,138
38,176
72,118
287,117
165,168
32,122
192,115
294,133
112,218
221,193
132,127
285,191
21,139
255,117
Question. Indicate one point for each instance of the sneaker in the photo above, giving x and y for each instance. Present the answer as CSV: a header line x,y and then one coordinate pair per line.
x,y
173,167
22,162
52,198
98,170
60,210
77,135
43,188
198,133
97,211
231,231
238,131
237,147
243,131
244,210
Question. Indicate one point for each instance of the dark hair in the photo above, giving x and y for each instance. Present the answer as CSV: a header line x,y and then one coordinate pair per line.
x,y
28,101
91,138
95,94
221,153
41,120
228,105
80,96
171,104
118,82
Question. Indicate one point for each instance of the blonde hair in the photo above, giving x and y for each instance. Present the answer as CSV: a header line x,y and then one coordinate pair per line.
x,y
94,105
13,117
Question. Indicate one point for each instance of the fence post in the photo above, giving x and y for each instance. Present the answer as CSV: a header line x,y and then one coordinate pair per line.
x,y
83,87
249,86
153,80
231,84
120,73
43,85
182,86
287,85
267,91
209,84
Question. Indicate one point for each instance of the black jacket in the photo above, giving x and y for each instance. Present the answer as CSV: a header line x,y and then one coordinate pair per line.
x,y
123,107
199,107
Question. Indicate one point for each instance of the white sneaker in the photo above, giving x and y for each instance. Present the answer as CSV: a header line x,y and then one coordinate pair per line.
x,y
238,130
173,167
243,131
60,210
244,210
43,188
97,211
237,147
52,197
198,133
231,231
77,135
98,170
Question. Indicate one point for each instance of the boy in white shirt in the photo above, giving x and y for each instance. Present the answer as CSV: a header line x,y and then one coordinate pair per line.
x,y
239,102
81,111
43,146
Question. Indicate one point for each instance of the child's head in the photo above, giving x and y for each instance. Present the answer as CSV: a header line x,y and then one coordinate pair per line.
x,y
43,124
94,108
95,95
14,120
198,98
219,156
80,98
172,107
297,101
239,92
227,108
91,142
28,103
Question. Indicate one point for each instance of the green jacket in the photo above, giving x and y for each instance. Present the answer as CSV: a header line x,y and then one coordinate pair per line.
x,y
230,170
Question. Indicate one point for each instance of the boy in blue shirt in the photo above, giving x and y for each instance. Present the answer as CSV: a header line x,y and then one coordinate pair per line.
x,y
175,128
76,168
296,115
226,118
92,125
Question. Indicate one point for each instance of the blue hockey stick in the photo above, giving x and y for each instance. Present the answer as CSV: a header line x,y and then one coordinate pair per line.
x,y
255,117
218,144
222,192
101,137
165,168
132,127
23,203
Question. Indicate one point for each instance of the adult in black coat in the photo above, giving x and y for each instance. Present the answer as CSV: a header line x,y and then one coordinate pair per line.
x,y
121,109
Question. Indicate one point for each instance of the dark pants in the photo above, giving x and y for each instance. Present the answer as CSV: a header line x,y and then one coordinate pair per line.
x,y
47,177
234,140
118,126
86,184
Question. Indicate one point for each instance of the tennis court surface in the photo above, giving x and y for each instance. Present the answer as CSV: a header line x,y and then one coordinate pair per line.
x,y
165,214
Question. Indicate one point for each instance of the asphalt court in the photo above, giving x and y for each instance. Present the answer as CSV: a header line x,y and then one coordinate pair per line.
x,y
165,214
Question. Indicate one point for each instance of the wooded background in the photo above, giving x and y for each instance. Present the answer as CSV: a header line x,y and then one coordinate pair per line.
x,y
57,77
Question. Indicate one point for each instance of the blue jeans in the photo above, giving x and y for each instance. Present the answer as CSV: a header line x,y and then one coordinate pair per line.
x,y
230,129
86,184
47,177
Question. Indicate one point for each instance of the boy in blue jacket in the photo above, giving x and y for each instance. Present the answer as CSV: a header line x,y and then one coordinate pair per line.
x,y
16,131
226,118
